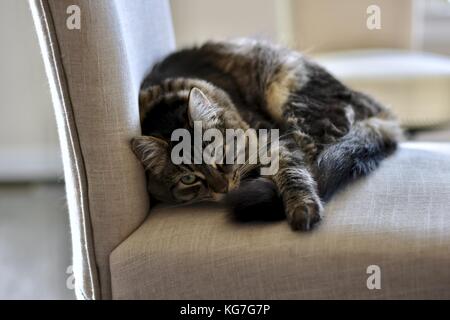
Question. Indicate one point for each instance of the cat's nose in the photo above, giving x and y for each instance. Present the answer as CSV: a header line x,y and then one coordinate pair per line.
x,y
220,186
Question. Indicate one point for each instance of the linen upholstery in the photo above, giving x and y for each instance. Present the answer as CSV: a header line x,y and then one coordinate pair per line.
x,y
397,218
94,75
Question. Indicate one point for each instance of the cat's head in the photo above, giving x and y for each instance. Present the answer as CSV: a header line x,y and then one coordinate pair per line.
x,y
182,183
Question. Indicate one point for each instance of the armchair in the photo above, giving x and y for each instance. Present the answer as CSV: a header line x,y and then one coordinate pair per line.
x,y
397,219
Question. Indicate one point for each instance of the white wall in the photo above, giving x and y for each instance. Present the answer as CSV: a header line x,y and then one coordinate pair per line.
x,y
307,25
198,20
437,27
330,25
28,139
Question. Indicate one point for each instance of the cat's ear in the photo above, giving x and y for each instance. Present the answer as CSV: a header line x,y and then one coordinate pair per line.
x,y
200,108
152,152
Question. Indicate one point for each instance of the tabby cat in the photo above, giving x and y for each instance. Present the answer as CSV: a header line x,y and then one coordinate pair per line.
x,y
329,133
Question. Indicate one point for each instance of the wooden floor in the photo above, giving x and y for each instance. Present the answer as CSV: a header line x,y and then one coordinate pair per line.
x,y
34,242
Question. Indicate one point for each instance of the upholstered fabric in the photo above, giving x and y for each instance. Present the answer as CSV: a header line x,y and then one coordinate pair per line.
x,y
398,219
94,74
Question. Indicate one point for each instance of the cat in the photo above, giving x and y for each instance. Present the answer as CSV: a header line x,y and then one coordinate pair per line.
x,y
329,133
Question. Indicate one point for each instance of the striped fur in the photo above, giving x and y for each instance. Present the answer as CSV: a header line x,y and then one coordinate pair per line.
x,y
329,133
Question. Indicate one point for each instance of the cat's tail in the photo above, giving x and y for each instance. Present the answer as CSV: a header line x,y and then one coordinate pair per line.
x,y
255,200
356,154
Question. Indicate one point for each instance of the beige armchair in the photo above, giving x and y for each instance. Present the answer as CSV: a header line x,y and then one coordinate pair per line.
x,y
398,219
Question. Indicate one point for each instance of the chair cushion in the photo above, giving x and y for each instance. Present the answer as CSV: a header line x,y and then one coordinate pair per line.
x,y
398,219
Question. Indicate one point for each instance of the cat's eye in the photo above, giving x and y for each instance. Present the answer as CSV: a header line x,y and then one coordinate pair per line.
x,y
188,179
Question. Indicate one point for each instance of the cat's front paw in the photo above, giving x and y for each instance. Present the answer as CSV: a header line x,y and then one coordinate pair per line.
x,y
303,215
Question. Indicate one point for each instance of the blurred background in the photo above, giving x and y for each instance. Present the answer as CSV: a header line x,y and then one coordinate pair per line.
x,y
398,51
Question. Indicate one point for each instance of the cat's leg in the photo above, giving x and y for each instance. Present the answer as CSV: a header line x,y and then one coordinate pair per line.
x,y
297,187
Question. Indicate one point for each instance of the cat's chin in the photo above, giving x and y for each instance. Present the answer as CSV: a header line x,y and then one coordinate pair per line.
x,y
217,197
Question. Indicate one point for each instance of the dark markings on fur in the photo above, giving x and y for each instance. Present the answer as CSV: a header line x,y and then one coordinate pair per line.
x,y
330,133
255,200
357,154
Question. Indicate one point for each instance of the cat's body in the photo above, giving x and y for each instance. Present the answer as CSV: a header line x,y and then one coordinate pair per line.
x,y
328,132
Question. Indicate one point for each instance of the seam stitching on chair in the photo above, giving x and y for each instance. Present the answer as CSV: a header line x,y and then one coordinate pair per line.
x,y
73,137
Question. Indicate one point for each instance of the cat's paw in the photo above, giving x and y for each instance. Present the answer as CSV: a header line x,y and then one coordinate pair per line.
x,y
304,215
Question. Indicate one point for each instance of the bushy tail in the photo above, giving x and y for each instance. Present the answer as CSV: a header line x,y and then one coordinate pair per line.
x,y
356,154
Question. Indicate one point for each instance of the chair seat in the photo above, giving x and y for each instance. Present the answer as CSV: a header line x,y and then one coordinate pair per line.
x,y
398,219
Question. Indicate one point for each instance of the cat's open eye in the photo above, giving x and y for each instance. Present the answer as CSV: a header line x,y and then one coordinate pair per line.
x,y
188,179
